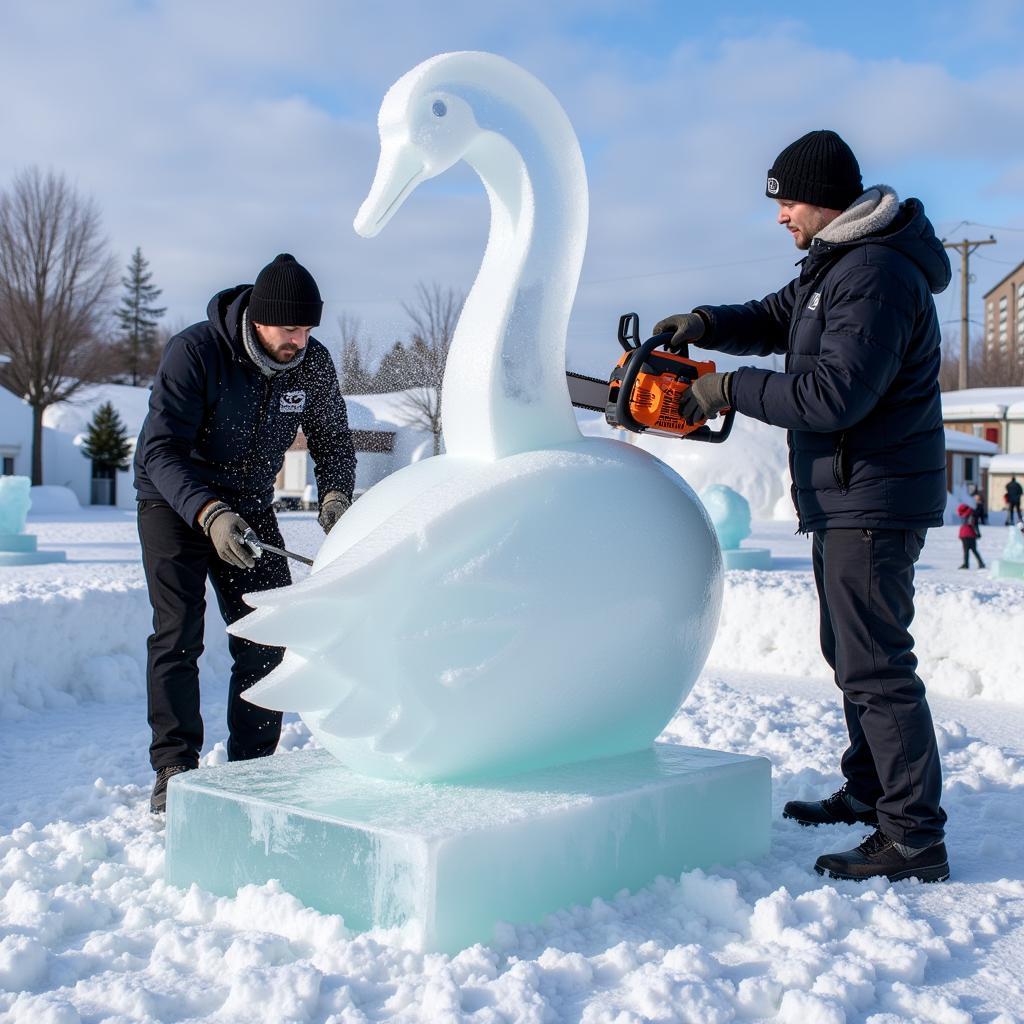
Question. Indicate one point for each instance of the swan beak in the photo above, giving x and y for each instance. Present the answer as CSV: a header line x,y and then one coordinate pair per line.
x,y
399,171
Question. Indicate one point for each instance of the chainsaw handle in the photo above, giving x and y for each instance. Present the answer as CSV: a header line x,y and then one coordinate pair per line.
x,y
705,433
629,335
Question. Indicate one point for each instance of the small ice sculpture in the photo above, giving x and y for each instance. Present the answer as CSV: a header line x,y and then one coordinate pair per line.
x,y
14,503
1011,565
481,611
730,515
16,546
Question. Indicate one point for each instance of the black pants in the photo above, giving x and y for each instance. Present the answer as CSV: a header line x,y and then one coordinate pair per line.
x,y
1014,507
177,560
865,581
970,544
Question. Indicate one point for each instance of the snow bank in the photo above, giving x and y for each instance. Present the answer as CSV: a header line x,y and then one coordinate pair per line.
x,y
92,932
49,500
967,638
754,460
61,646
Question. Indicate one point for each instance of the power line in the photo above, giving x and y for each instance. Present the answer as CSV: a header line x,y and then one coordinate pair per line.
x,y
678,270
1005,263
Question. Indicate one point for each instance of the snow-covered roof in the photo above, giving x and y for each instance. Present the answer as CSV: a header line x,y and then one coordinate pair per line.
x,y
958,441
380,412
983,404
74,415
1012,462
4,359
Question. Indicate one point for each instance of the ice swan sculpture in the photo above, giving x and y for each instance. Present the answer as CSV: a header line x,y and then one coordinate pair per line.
x,y
532,597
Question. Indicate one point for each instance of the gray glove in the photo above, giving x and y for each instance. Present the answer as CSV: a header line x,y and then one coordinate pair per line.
x,y
225,530
685,327
332,508
707,396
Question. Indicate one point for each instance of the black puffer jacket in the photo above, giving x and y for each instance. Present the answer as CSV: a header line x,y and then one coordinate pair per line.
x,y
218,428
860,393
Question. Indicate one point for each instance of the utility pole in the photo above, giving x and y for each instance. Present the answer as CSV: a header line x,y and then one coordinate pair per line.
x,y
965,248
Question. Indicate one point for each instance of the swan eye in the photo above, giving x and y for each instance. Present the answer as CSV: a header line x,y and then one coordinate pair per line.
x,y
439,108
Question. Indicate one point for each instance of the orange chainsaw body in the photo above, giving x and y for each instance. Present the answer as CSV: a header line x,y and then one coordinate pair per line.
x,y
658,390
648,383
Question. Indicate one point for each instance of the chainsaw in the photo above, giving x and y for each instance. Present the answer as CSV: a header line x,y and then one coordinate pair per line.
x,y
645,387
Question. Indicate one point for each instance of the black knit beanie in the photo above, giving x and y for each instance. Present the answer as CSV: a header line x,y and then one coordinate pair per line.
x,y
285,295
819,169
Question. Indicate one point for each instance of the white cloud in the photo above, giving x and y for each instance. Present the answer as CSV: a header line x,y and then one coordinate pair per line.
x,y
216,135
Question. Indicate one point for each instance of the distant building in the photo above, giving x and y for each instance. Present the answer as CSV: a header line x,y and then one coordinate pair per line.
x,y
993,414
65,425
383,439
1004,316
15,433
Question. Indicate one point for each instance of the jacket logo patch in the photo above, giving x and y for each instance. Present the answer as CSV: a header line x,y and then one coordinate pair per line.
x,y
293,401
773,186
815,299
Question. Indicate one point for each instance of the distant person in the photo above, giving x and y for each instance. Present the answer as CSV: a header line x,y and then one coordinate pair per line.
x,y
860,400
229,396
970,531
979,507
1012,496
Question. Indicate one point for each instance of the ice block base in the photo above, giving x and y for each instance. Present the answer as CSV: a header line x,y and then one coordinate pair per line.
x,y
454,860
1005,568
746,558
20,549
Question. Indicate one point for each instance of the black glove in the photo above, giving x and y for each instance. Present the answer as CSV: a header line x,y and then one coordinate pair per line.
x,y
685,327
707,396
332,508
225,530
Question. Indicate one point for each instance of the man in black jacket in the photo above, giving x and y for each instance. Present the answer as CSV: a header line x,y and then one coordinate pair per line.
x,y
860,401
228,399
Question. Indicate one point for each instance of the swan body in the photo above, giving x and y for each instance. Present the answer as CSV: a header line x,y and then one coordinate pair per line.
x,y
527,598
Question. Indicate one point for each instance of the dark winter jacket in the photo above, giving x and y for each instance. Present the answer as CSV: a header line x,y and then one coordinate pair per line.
x,y
1013,492
860,393
218,428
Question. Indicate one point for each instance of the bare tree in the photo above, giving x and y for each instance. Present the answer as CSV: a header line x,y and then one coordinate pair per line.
x,y
56,275
434,316
991,366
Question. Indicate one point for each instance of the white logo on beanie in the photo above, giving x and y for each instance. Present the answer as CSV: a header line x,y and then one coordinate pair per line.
x,y
773,186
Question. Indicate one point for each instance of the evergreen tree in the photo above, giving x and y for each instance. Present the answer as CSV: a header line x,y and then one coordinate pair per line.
x,y
354,372
106,441
138,316
394,372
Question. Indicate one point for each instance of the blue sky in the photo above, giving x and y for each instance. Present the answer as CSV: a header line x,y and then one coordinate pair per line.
x,y
216,135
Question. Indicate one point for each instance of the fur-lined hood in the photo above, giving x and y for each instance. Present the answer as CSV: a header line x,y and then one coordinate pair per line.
x,y
878,217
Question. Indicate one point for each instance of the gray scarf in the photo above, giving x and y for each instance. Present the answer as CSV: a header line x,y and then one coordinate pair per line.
x,y
874,211
267,366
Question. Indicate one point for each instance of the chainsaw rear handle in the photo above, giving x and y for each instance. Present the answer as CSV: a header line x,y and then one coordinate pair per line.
x,y
629,333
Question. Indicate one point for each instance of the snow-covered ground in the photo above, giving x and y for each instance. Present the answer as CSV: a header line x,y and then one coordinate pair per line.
x,y
90,932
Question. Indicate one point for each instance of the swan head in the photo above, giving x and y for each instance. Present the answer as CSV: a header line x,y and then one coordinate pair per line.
x,y
425,128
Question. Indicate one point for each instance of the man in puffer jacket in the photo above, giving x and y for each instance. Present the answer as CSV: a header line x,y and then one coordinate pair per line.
x,y
229,397
860,401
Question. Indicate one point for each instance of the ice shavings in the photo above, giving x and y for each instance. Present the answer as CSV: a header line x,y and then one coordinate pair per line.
x,y
758,941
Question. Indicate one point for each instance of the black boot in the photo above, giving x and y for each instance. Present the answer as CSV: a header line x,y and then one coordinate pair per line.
x,y
158,801
880,857
833,810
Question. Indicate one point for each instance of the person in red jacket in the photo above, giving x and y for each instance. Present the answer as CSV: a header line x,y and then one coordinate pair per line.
x,y
970,531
